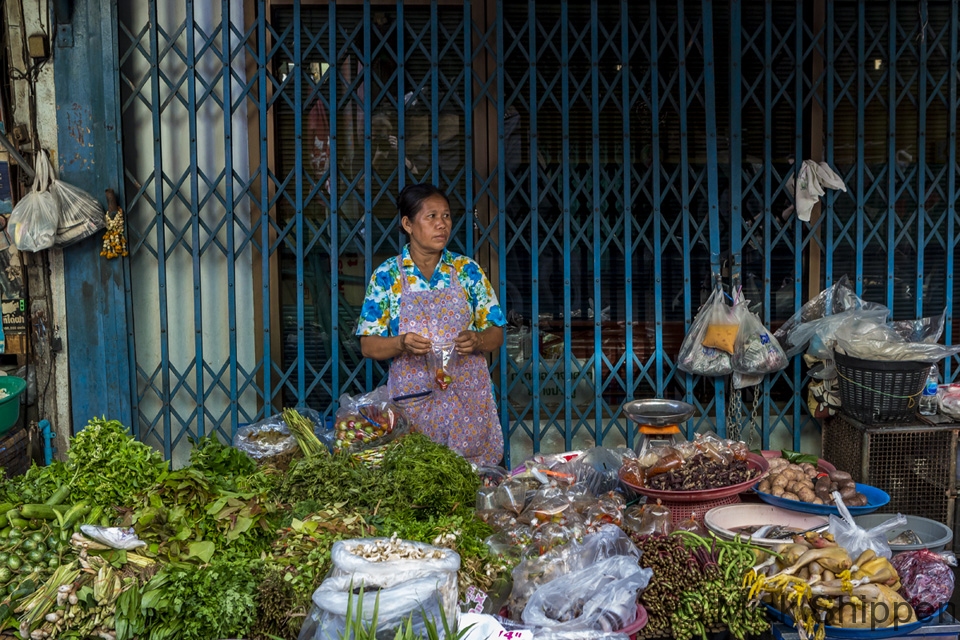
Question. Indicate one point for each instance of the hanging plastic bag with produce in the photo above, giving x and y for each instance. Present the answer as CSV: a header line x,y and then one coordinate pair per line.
x,y
81,215
714,325
926,578
756,351
368,420
35,218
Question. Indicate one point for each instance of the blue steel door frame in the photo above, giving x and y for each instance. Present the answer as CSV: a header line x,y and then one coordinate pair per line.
x,y
89,155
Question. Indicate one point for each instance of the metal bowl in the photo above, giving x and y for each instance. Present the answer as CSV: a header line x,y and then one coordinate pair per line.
x,y
657,412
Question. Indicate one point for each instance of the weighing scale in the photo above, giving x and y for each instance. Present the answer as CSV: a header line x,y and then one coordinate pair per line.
x,y
659,421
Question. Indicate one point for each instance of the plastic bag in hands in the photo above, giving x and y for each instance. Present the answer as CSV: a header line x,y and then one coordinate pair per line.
x,y
926,580
854,538
417,601
600,597
368,420
81,215
756,351
35,218
440,361
694,357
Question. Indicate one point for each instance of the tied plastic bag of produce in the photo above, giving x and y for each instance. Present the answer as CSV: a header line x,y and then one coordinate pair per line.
x,y
395,602
756,351
268,442
368,420
926,580
856,539
601,597
34,220
440,360
608,542
598,468
388,561
696,356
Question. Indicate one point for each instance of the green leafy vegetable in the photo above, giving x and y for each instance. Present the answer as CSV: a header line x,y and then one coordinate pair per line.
x,y
795,457
436,480
108,467
187,602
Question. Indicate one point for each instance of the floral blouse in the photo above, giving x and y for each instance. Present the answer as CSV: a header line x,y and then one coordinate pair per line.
x,y
380,315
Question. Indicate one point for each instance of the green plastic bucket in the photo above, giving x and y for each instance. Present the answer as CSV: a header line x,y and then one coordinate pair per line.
x,y
10,404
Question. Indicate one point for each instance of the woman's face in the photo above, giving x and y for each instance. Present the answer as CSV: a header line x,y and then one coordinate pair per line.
x,y
429,230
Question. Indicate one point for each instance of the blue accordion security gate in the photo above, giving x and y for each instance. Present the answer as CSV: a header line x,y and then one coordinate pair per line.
x,y
608,162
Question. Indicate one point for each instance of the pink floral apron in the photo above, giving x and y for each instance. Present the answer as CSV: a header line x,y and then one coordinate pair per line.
x,y
464,416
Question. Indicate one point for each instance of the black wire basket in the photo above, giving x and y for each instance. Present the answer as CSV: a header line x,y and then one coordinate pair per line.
x,y
875,391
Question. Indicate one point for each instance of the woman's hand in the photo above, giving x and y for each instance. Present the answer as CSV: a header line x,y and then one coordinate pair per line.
x,y
414,344
469,342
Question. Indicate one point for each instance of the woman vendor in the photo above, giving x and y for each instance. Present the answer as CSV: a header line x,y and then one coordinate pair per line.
x,y
426,297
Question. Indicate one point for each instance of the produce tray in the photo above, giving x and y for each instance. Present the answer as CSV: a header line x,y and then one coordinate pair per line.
x,y
876,498
754,461
861,634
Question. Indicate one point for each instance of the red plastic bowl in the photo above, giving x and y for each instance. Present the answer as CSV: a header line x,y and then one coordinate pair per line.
x,y
754,461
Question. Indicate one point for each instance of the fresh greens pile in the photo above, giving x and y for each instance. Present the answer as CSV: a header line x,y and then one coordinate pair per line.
x,y
235,549
108,467
187,602
435,480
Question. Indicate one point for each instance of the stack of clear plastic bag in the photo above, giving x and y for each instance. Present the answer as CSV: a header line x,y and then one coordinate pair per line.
x,y
756,351
714,324
600,597
926,580
81,215
870,338
532,572
795,333
395,603
948,396
35,218
368,420
854,538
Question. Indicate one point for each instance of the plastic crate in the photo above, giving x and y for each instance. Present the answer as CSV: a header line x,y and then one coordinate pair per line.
x,y
15,455
914,462
873,391
680,511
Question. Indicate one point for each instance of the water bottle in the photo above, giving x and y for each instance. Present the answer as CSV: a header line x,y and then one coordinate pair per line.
x,y
928,398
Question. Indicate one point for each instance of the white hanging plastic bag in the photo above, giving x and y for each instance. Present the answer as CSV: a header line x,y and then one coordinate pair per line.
x,y
756,350
35,218
698,358
81,215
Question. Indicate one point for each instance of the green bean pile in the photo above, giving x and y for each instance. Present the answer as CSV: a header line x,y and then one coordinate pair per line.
x,y
697,586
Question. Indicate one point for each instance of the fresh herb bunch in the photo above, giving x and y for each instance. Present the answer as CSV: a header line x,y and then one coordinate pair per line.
x,y
338,478
436,480
190,602
185,515
108,467
302,554
37,484
277,614
231,468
